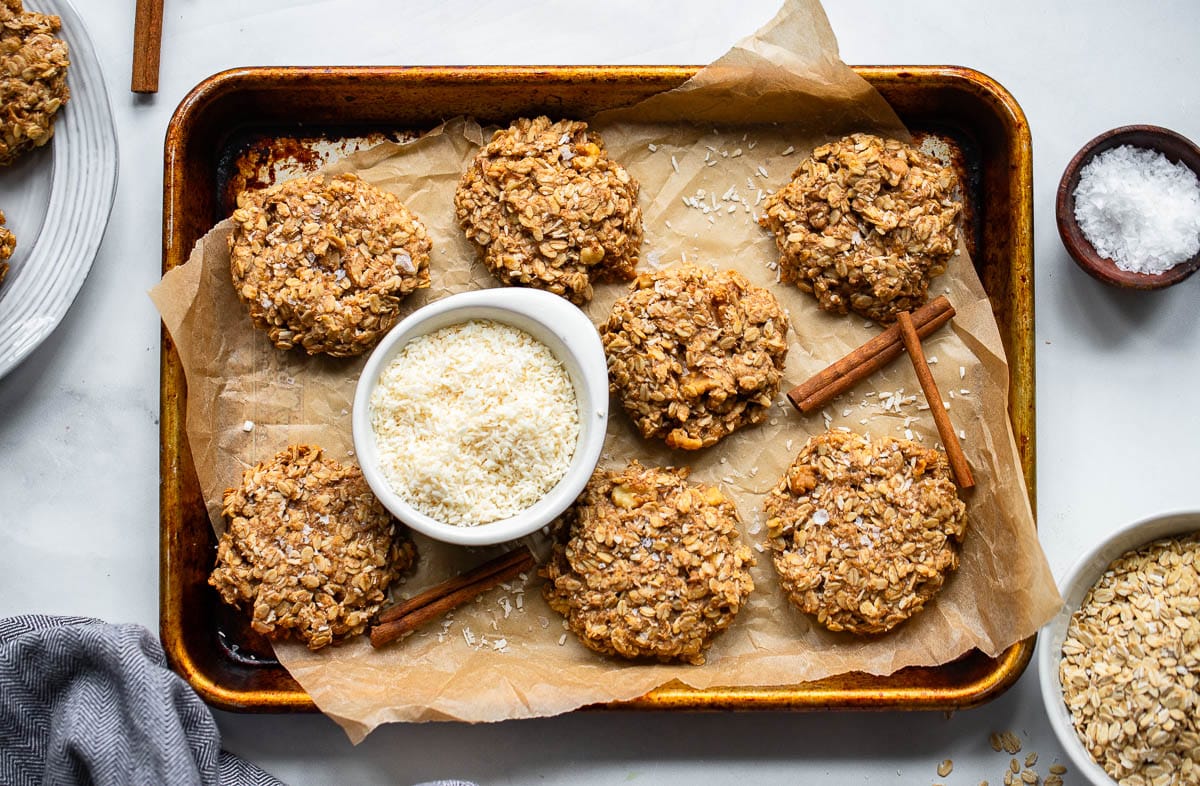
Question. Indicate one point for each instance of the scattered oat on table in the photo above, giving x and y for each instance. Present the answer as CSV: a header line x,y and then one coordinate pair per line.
x,y
8,244
864,224
864,531
945,768
308,550
323,262
1130,667
694,354
647,565
33,79
549,209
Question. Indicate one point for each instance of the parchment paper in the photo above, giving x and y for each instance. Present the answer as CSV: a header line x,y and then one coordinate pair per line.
x,y
508,655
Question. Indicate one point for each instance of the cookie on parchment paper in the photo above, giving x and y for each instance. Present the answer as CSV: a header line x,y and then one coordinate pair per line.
x,y
324,262
864,224
549,209
647,565
308,551
695,354
864,531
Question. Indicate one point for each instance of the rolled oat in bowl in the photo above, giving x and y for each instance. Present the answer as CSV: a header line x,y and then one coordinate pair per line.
x,y
1130,667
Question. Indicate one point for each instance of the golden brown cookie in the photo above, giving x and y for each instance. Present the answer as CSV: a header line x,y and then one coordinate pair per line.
x,y
864,224
323,262
309,551
864,531
695,354
648,565
549,209
8,244
33,79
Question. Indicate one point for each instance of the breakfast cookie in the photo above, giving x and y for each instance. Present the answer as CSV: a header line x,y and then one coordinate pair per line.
x,y
864,224
33,79
323,262
647,565
309,550
8,244
695,354
549,209
864,531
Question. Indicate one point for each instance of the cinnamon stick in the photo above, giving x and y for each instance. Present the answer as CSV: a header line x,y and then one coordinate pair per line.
x,y
834,380
404,618
492,566
954,452
147,43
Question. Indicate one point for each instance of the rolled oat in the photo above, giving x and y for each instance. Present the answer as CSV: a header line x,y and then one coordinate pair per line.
x,y
1130,667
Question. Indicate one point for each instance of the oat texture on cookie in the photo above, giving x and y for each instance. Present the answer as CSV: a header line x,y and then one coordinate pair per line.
x,y
864,224
694,354
33,79
8,244
309,551
647,565
324,262
864,530
549,209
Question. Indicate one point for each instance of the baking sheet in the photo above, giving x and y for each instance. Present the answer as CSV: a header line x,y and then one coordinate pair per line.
x,y
747,479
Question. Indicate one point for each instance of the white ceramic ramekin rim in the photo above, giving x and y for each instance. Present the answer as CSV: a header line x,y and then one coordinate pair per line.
x,y
572,338
1073,588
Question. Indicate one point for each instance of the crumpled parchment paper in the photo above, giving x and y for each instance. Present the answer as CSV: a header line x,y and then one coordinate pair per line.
x,y
724,140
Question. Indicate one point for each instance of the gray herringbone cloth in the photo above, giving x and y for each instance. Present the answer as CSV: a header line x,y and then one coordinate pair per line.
x,y
82,701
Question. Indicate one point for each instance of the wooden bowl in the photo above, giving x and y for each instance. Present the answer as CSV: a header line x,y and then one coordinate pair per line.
x,y
1177,149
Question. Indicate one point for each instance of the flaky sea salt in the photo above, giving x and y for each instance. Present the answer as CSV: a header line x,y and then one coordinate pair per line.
x,y
1138,209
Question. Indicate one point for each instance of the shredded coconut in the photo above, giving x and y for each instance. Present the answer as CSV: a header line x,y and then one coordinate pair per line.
x,y
1138,209
474,422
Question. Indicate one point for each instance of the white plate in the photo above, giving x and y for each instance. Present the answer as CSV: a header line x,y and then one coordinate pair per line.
x,y
57,200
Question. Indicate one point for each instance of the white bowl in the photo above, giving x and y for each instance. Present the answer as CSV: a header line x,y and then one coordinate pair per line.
x,y
1074,588
572,339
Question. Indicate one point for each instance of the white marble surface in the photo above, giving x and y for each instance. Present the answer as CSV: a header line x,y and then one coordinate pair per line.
x,y
1117,371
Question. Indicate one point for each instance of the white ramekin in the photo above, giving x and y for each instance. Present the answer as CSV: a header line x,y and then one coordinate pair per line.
x,y
550,319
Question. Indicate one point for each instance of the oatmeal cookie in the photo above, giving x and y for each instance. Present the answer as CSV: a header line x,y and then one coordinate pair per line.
x,y
648,566
323,262
309,550
33,79
8,244
864,531
695,354
864,225
549,209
